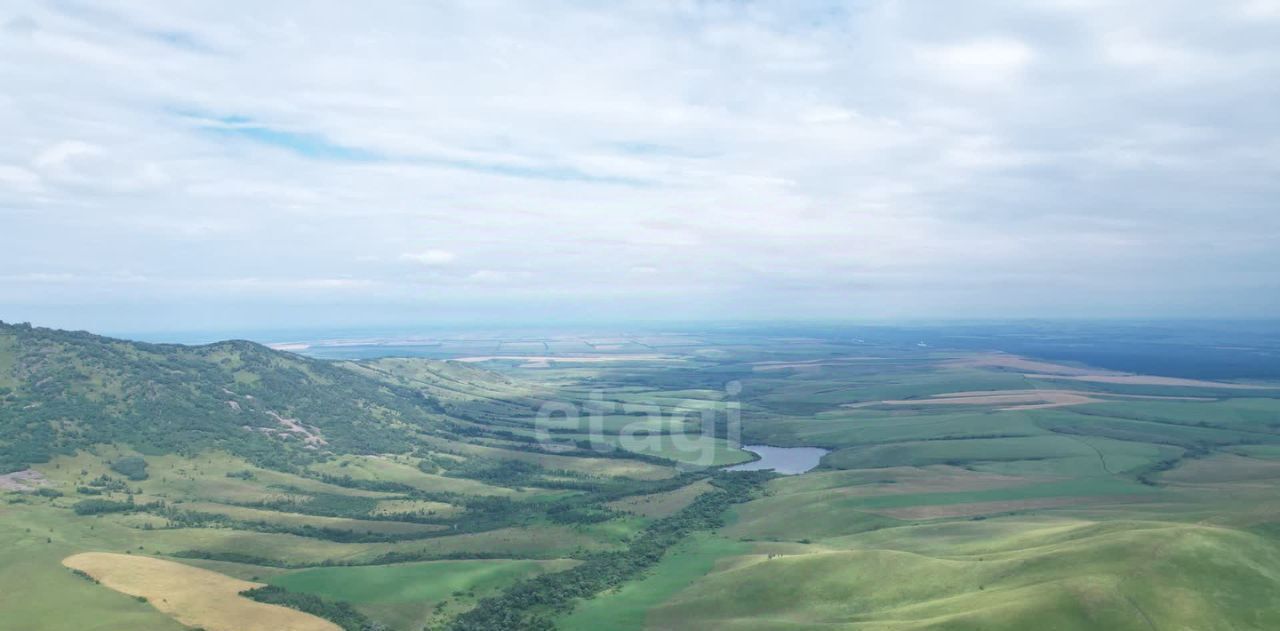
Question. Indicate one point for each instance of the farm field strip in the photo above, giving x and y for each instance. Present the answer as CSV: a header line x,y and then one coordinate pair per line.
x,y
194,596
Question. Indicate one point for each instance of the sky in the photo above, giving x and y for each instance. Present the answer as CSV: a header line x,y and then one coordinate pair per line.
x,y
184,165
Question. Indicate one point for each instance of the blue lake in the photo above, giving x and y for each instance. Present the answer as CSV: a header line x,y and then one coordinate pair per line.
x,y
785,460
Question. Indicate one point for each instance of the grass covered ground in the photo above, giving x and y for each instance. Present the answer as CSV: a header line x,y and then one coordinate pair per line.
x,y
1114,510
410,595
628,607
1116,577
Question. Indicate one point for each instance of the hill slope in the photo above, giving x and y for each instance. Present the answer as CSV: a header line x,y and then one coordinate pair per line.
x,y
959,493
62,390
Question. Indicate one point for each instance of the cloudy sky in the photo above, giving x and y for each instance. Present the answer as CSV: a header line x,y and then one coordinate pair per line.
x,y
229,164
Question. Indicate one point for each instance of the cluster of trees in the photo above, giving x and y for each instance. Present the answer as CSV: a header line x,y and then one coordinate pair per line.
x,y
518,474
83,574
99,506
197,519
131,467
353,507
327,505
568,513
527,604
96,506
481,513
339,612
382,559
1149,475
498,472
103,484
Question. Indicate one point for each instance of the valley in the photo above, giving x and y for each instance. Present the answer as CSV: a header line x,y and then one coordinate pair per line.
x,y
543,485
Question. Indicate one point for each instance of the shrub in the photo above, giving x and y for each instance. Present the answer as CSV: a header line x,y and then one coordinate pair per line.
x,y
132,467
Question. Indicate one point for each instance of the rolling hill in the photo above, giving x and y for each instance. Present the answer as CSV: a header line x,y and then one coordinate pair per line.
x,y
960,490
67,390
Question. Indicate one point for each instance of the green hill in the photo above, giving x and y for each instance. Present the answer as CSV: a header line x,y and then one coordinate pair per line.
x,y
61,390
414,493
1125,575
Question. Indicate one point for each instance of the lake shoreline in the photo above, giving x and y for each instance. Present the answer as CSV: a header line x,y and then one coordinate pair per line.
x,y
783,460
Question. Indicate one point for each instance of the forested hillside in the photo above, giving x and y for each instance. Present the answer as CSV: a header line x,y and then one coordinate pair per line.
x,y
62,390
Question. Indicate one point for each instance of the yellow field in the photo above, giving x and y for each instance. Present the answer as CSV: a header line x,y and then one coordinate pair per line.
x,y
193,596
1007,399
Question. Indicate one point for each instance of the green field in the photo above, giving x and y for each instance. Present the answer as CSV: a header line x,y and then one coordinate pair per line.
x,y
416,493
628,607
1118,577
406,595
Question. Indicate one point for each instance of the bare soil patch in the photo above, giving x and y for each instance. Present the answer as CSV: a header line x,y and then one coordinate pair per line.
x,y
766,366
1148,380
1022,364
1009,399
309,434
545,361
1020,399
26,480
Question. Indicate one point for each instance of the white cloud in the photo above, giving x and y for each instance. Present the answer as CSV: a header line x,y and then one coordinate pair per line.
x,y
983,62
1261,9
60,155
40,277
1143,52
710,158
495,277
431,258
18,179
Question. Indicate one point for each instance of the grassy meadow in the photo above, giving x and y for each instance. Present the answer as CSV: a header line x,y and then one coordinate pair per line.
x,y
961,489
